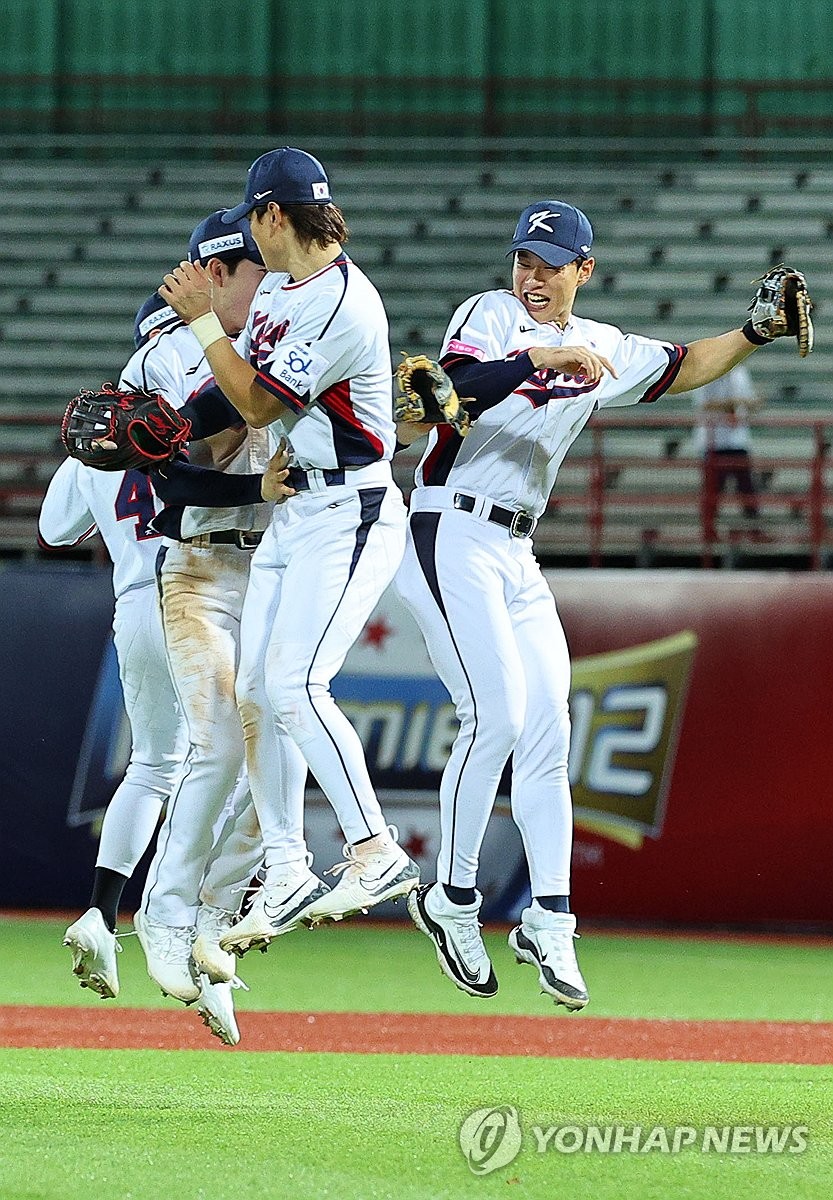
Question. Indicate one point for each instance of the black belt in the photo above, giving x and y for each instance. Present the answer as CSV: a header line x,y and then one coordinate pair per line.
x,y
243,539
299,479
519,524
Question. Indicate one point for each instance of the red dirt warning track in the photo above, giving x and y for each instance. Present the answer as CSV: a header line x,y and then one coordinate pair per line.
x,y
558,1036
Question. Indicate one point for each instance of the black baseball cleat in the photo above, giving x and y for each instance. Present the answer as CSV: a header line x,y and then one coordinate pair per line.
x,y
455,931
545,939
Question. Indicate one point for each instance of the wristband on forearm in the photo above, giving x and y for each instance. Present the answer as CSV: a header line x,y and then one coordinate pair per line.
x,y
207,329
753,336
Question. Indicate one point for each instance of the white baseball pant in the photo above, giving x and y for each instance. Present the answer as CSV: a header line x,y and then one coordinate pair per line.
x,y
494,637
202,599
315,579
157,732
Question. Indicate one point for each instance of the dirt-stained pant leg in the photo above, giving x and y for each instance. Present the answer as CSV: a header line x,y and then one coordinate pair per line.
x,y
276,768
202,599
237,852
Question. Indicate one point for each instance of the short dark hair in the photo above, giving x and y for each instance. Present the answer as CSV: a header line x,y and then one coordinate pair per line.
x,y
319,223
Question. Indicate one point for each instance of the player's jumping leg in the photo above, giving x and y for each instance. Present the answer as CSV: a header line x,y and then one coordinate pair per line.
x,y
541,802
133,813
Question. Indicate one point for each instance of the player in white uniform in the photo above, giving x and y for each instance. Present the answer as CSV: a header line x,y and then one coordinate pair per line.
x,y
536,372
153,316
120,505
203,573
314,364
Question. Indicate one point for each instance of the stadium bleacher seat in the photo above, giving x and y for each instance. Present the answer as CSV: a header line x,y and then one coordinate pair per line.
x,y
82,243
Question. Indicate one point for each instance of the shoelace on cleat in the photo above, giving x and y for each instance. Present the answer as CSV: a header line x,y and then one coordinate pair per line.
x,y
173,944
467,935
557,949
213,923
358,860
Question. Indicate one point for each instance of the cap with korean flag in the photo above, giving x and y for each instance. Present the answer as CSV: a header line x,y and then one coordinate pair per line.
x,y
287,176
214,237
555,231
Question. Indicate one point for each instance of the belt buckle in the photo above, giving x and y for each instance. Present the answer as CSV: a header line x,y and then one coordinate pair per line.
x,y
522,525
247,540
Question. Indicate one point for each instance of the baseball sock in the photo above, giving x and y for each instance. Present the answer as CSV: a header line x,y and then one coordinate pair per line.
x,y
554,903
107,890
459,895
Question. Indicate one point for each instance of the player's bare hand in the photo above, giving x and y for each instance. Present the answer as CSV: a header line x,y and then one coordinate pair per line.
x,y
572,360
273,485
189,290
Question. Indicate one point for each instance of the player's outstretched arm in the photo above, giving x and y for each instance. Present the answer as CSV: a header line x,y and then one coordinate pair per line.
x,y
188,290
709,358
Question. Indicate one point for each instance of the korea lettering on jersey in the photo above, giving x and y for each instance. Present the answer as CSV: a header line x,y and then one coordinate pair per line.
x,y
174,364
118,504
320,345
514,449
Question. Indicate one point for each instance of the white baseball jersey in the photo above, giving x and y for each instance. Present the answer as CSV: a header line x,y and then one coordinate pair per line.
x,y
514,449
119,504
321,346
174,364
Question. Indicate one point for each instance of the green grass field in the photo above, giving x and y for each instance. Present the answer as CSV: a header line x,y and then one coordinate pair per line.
x,y
202,1125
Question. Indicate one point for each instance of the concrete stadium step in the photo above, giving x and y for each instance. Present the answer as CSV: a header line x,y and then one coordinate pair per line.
x,y
22,357
37,329
60,301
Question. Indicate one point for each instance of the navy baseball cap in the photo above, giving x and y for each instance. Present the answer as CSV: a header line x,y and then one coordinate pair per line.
x,y
555,231
216,237
287,176
153,316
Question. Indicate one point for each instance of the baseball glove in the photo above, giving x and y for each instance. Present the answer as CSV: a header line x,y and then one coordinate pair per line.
x,y
122,431
426,395
781,307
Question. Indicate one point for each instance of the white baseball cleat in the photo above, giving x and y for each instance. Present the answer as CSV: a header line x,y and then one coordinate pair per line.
x,y
94,950
216,1007
546,940
168,956
208,957
373,871
284,902
455,931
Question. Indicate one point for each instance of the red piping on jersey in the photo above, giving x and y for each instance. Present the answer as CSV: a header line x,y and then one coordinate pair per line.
x,y
675,355
44,545
337,262
337,399
284,394
444,435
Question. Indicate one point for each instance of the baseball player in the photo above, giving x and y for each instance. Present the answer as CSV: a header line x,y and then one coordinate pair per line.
x,y
534,372
120,505
153,316
203,573
313,363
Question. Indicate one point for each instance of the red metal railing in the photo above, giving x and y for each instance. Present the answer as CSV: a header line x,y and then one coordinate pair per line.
x,y
612,496
793,517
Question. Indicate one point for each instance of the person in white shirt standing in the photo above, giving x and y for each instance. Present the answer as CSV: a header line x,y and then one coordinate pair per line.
x,y
534,373
313,363
723,437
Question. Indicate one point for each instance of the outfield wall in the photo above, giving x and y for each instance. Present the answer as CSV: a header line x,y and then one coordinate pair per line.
x,y
700,760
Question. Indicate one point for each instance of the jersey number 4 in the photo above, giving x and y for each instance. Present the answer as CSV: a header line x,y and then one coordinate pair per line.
x,y
135,501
